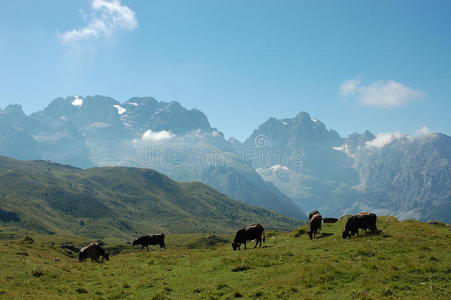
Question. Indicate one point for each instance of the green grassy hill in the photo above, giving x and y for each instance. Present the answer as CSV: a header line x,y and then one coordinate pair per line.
x,y
116,202
407,260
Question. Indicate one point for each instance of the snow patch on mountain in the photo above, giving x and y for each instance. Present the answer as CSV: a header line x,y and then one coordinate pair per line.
x,y
278,167
120,109
344,148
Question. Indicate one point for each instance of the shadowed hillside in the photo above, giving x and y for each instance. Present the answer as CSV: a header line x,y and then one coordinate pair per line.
x,y
116,202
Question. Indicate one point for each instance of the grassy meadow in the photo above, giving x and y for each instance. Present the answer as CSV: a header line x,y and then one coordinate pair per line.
x,y
407,260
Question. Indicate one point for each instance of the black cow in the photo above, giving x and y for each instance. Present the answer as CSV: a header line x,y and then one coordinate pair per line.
x,y
93,251
364,221
330,220
249,233
151,239
315,224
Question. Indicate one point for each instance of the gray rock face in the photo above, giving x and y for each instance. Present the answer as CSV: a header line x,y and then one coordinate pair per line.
x,y
298,156
144,113
302,144
409,177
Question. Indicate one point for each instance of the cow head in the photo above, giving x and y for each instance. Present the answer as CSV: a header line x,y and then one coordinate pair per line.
x,y
234,246
106,256
135,242
346,234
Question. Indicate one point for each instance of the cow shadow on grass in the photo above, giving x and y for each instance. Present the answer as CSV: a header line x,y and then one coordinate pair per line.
x,y
377,232
252,248
371,233
324,235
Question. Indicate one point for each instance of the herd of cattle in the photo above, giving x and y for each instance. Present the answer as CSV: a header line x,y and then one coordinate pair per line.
x,y
363,220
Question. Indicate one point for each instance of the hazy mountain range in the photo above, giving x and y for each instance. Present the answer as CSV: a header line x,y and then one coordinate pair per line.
x,y
286,165
141,132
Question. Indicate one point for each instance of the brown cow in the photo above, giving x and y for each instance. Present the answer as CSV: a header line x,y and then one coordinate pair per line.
x,y
315,224
249,233
151,239
93,251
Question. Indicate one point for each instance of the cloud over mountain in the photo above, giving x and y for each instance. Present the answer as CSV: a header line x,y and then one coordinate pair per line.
x,y
383,139
150,135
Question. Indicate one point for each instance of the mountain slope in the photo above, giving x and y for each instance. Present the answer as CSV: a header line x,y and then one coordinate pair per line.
x,y
390,174
116,201
247,187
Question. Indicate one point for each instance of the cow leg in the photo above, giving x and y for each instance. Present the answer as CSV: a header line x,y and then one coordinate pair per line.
x,y
147,248
142,247
256,243
244,245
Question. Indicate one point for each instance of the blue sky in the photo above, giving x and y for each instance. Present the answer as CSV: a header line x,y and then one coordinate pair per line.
x,y
356,65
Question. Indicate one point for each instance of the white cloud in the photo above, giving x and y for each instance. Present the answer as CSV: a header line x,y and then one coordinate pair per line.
x,y
106,18
423,131
383,139
349,87
150,135
382,93
77,101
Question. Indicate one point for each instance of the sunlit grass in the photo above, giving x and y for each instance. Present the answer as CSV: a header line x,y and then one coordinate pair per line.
x,y
409,260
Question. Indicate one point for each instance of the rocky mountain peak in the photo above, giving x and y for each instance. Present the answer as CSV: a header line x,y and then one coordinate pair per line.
x,y
294,133
356,140
302,116
15,109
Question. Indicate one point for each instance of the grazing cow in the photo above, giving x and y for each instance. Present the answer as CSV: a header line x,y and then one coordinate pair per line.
x,y
315,224
364,221
93,251
151,239
249,233
330,220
